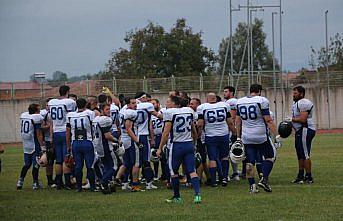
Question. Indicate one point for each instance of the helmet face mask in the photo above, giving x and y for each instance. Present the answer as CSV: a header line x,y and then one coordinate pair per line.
x,y
153,156
198,160
120,150
237,152
285,129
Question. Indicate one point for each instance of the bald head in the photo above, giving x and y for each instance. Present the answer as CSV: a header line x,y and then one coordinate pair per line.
x,y
211,97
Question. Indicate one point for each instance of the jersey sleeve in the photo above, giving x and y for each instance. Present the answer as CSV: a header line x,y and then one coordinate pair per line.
x,y
71,105
305,105
200,112
264,106
37,120
233,103
130,115
167,116
105,124
150,107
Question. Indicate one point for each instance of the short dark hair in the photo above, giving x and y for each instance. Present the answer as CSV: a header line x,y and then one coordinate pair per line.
x,y
255,88
72,95
64,89
184,102
139,94
177,93
231,89
103,105
155,99
148,95
176,100
128,99
219,99
102,98
33,108
81,103
300,89
196,99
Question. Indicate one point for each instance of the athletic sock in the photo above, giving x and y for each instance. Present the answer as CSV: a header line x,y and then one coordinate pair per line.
x,y
196,185
301,174
251,181
308,175
67,179
24,171
49,178
267,167
58,180
212,171
176,186
35,172
225,166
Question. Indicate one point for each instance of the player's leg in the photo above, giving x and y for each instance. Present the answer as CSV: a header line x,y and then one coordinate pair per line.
x,y
66,170
301,157
79,158
110,165
212,155
224,157
259,162
136,162
24,169
268,152
167,168
35,171
250,170
58,148
307,144
174,162
157,164
89,158
189,161
50,166
147,170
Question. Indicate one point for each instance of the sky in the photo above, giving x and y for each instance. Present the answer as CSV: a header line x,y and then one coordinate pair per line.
x,y
77,36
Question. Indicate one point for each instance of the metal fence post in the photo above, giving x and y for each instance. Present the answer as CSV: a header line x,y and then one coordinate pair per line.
x,y
201,82
42,90
87,87
114,85
12,90
173,82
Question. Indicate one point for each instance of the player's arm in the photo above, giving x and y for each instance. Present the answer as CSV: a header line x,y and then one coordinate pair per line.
x,y
231,125
194,132
156,114
200,126
270,123
238,127
151,134
233,113
114,98
302,118
118,128
128,127
165,135
39,133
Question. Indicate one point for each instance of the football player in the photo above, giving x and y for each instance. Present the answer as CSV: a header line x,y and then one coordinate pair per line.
x,y
145,132
79,136
215,120
58,112
229,96
253,116
200,147
92,104
305,130
157,125
33,143
114,110
47,139
179,126
105,147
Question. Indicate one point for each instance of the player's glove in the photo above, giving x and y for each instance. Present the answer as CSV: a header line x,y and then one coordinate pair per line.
x,y
278,142
105,90
139,145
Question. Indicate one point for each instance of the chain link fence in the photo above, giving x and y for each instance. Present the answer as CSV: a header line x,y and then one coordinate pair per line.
x,y
33,90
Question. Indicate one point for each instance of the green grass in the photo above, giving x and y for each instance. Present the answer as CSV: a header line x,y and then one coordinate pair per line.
x,y
321,201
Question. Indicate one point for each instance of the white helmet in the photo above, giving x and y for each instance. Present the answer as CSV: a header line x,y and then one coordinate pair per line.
x,y
120,150
42,159
153,156
237,152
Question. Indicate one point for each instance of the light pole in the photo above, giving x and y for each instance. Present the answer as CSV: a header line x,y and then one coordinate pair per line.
x,y
274,73
327,66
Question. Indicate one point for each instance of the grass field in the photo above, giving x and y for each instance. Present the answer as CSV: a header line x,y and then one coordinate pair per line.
x,y
322,200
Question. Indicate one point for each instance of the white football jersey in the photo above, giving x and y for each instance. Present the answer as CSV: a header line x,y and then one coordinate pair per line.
x,y
101,125
115,116
303,105
46,116
128,114
29,123
157,125
232,102
80,124
144,110
251,111
214,116
58,112
182,120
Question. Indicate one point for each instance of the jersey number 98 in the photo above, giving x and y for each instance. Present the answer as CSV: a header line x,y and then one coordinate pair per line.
x,y
248,112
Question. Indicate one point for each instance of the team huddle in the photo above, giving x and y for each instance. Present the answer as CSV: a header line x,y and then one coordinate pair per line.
x,y
124,142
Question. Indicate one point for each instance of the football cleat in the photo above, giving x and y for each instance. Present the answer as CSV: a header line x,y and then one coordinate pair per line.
x,y
150,186
253,189
197,199
214,185
224,182
235,177
298,180
308,180
136,189
265,185
174,200
36,186
86,186
113,186
20,184
106,189
126,186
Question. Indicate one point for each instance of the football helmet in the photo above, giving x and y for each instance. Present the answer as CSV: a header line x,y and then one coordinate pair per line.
x,y
153,156
120,150
69,161
237,152
285,129
42,159
198,160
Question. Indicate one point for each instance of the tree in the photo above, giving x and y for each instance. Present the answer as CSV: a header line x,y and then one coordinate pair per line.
x,y
59,76
153,52
262,57
319,57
